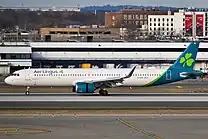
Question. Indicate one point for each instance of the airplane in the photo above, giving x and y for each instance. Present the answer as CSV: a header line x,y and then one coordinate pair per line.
x,y
87,81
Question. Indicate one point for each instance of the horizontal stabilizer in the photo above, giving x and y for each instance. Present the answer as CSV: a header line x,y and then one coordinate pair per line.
x,y
191,74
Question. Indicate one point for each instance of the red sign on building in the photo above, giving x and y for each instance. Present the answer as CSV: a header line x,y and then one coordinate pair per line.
x,y
199,24
188,24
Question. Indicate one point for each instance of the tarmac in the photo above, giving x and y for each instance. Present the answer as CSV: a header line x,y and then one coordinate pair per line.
x,y
102,102
104,127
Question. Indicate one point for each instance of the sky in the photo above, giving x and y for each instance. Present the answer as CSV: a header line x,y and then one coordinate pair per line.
x,y
69,3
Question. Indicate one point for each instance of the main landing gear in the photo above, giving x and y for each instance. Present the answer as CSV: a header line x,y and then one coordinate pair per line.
x,y
103,92
27,91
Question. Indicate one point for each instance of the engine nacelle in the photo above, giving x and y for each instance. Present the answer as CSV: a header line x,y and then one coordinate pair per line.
x,y
82,87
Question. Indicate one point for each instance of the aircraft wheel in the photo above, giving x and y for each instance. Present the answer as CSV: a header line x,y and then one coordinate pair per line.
x,y
101,92
105,92
27,93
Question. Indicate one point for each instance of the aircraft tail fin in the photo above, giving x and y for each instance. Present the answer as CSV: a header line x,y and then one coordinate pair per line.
x,y
187,58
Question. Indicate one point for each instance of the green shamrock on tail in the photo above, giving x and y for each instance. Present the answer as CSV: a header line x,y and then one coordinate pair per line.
x,y
187,60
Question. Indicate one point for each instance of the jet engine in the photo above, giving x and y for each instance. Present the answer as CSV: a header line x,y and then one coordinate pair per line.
x,y
82,87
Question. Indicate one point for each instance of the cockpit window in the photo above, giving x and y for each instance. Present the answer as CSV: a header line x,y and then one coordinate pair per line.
x,y
15,74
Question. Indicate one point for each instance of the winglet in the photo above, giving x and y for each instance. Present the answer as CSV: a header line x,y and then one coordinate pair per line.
x,y
131,72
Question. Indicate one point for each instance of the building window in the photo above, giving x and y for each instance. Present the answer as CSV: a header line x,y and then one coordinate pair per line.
x,y
133,16
113,23
154,19
167,29
113,17
158,19
171,24
154,24
129,17
145,22
150,19
125,17
163,19
145,16
15,56
150,24
171,29
163,24
171,19
167,24
167,20
158,24
137,17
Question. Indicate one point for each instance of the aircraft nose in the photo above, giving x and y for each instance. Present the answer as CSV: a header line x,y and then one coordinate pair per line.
x,y
7,80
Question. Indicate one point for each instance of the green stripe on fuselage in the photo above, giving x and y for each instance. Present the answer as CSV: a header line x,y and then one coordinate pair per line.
x,y
155,80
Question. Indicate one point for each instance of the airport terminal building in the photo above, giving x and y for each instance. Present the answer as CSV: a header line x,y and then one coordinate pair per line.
x,y
110,55
14,56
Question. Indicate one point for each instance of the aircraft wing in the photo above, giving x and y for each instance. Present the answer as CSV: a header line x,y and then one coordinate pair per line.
x,y
110,82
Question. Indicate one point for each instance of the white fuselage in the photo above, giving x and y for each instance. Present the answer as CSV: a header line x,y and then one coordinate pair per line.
x,y
68,77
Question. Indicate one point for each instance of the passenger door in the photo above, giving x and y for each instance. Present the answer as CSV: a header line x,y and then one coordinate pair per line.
x,y
168,75
28,75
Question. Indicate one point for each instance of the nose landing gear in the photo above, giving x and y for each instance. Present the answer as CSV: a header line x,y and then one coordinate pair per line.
x,y
27,91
